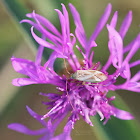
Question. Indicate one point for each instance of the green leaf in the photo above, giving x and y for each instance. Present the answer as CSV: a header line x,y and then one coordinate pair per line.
x,y
116,129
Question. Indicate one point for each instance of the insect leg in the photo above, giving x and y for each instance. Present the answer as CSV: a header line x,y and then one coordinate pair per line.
x,y
68,96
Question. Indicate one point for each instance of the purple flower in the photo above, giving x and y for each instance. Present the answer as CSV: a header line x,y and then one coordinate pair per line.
x,y
48,128
78,98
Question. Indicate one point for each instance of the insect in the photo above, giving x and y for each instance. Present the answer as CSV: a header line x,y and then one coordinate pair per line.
x,y
93,76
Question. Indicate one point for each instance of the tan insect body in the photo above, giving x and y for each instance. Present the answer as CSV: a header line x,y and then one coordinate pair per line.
x,y
93,76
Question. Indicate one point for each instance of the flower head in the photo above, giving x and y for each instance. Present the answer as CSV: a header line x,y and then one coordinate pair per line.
x,y
88,96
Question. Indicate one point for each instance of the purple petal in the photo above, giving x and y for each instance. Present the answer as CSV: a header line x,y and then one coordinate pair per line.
x,y
23,82
108,63
30,22
75,60
44,31
115,46
93,44
21,65
129,46
63,24
68,127
125,25
66,16
135,47
134,89
51,60
77,19
91,58
80,38
44,42
101,22
133,84
133,64
136,77
51,96
85,58
126,73
87,117
61,137
53,110
114,20
73,40
46,137
66,132
39,53
23,129
121,114
36,116
46,23
79,27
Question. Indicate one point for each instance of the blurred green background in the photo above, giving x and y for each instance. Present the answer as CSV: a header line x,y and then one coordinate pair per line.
x,y
14,41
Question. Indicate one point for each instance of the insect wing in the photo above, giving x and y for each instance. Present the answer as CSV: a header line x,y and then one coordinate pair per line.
x,y
97,76
92,76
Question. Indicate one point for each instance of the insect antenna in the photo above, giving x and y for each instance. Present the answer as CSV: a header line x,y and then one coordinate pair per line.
x,y
65,63
67,82
66,66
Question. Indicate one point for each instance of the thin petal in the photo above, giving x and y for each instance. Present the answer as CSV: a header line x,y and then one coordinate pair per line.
x,y
126,73
101,22
53,110
23,129
43,42
39,53
133,64
63,24
21,65
77,19
23,82
46,23
108,63
136,77
135,47
125,25
91,58
61,137
80,38
114,20
121,114
66,16
68,127
66,132
115,46
129,46
85,58
76,62
51,60
36,116
46,137
73,40
30,22
80,32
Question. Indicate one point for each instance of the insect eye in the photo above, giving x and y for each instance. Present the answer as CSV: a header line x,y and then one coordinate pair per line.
x,y
73,75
